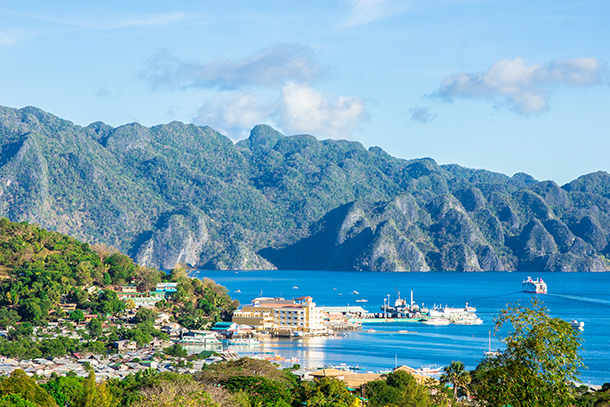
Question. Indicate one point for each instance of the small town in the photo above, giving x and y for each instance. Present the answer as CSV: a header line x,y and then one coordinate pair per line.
x,y
264,317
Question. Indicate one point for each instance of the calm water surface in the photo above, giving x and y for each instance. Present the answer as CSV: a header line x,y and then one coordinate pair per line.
x,y
581,296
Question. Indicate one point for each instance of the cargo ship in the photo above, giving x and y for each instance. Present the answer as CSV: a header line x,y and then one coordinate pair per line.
x,y
534,286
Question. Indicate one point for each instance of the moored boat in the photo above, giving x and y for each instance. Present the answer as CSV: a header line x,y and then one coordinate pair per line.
x,y
534,286
436,321
429,370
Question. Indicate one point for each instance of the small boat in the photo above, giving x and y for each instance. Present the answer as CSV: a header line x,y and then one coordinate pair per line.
x,y
355,292
577,325
295,288
238,291
243,342
370,330
534,286
436,321
491,353
362,300
429,370
403,331
334,289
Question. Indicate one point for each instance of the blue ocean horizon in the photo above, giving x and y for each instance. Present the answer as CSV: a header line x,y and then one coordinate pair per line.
x,y
581,296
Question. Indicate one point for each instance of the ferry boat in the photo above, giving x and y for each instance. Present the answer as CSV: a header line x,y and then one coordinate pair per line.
x,y
534,286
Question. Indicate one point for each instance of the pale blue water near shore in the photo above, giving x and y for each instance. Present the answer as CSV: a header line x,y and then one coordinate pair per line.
x,y
581,296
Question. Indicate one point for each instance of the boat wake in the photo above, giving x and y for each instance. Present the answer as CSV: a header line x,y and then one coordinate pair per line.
x,y
583,299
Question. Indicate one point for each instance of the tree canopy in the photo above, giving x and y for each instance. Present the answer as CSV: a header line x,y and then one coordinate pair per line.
x,y
540,359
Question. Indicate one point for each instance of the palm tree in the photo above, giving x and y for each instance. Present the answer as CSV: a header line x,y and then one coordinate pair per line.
x,y
457,375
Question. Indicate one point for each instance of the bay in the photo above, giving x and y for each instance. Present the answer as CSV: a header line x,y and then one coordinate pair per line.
x,y
581,296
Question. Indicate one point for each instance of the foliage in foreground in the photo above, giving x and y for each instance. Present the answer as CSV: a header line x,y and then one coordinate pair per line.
x,y
540,359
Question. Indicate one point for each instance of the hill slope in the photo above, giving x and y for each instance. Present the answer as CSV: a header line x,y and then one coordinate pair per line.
x,y
179,193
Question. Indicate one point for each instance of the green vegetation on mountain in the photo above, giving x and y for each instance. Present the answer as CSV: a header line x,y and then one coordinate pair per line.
x,y
41,271
182,194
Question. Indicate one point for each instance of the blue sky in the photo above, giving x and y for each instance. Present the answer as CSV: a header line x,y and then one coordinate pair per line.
x,y
508,86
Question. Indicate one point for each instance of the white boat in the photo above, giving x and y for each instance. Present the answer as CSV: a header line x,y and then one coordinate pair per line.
x,y
295,288
243,342
362,300
534,286
489,352
467,321
436,321
238,291
577,325
429,370
355,292
403,331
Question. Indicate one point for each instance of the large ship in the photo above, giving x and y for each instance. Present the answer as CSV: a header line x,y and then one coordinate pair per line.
x,y
534,286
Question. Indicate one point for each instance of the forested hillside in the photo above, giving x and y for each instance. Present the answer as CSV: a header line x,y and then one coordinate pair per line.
x,y
179,193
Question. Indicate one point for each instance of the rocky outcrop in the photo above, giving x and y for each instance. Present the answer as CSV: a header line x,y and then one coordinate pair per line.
x,y
184,194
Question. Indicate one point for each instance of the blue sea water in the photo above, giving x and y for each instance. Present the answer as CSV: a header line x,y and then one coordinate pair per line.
x,y
581,296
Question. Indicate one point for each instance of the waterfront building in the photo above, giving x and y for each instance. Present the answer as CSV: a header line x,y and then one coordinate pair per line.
x,y
282,316
225,328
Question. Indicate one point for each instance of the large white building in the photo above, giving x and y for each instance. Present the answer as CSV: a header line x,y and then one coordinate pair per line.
x,y
277,314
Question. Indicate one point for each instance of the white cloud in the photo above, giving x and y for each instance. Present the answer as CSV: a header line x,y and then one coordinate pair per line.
x,y
6,39
300,109
10,37
368,11
271,67
234,114
421,115
524,87
304,110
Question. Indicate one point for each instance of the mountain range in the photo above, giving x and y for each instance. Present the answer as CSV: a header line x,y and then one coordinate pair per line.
x,y
184,194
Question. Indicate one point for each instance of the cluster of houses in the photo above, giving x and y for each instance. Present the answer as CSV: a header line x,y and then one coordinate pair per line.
x,y
115,366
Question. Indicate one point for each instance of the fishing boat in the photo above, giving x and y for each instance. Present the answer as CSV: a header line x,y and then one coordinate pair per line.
x,y
534,286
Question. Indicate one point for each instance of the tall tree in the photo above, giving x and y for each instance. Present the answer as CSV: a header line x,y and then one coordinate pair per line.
x,y
540,359
457,375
